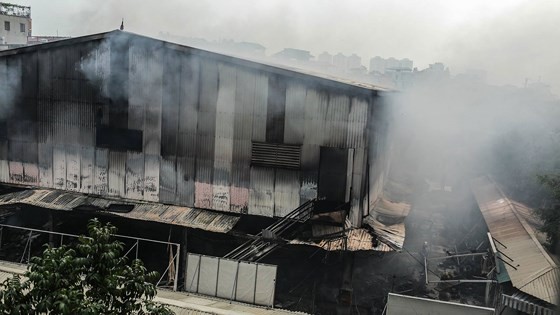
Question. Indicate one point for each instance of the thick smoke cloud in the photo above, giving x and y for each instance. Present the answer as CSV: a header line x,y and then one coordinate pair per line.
x,y
512,40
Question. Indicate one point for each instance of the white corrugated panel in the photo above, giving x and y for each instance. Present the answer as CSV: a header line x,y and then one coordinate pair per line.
x,y
208,275
87,169
227,278
246,278
192,272
266,284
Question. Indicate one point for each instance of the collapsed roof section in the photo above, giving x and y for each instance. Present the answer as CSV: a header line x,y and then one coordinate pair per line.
x,y
533,271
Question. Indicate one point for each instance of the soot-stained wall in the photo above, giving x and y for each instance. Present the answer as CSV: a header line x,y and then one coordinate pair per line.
x,y
123,115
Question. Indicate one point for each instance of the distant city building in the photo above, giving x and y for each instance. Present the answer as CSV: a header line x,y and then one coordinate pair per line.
x,y
381,65
15,25
354,62
293,54
340,61
325,58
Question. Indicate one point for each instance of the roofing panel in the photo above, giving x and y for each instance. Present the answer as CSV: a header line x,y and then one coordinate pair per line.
x,y
68,201
352,240
535,273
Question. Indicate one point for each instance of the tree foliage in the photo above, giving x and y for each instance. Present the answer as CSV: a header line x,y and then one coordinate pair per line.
x,y
92,277
551,215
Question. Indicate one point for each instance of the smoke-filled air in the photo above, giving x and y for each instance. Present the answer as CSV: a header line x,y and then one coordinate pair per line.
x,y
372,157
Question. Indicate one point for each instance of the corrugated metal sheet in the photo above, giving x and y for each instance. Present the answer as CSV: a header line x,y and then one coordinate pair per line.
x,y
68,201
386,219
354,240
527,304
535,273
261,193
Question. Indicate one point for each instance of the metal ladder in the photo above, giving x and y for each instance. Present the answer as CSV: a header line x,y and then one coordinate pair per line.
x,y
270,238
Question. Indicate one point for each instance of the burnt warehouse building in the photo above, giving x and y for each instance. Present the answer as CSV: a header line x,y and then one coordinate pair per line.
x,y
141,129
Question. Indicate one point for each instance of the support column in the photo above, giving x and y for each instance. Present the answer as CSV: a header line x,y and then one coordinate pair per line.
x,y
182,269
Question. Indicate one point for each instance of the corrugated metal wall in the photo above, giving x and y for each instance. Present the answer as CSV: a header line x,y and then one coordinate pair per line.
x,y
199,115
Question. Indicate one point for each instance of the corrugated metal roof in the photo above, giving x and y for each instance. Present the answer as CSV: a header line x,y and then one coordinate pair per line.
x,y
267,66
535,272
68,201
386,219
353,240
527,304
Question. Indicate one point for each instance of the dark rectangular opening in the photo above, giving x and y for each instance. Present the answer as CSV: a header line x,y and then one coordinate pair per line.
x,y
119,139
333,171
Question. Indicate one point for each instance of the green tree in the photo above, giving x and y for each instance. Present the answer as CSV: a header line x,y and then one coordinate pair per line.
x,y
91,277
551,215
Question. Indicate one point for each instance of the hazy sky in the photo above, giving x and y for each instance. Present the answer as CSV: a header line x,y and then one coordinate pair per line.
x,y
510,39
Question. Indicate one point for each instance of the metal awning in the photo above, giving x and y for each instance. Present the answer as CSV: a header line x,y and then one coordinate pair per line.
x,y
68,201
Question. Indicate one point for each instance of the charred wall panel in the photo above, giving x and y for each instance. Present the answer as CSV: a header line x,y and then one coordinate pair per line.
x,y
206,134
225,109
261,193
135,175
188,121
100,172
171,84
87,162
276,109
243,128
286,191
295,113
310,150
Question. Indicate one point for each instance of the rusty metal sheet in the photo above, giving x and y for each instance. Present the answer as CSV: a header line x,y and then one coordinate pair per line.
x,y
536,272
352,240
286,192
261,192
155,212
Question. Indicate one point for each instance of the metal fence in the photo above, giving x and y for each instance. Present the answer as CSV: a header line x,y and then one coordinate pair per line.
x,y
173,249
231,279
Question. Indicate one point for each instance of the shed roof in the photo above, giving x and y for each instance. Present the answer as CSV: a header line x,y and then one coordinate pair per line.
x,y
535,272
269,67
156,212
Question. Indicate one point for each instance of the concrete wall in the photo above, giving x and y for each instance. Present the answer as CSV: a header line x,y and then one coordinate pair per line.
x,y
14,35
